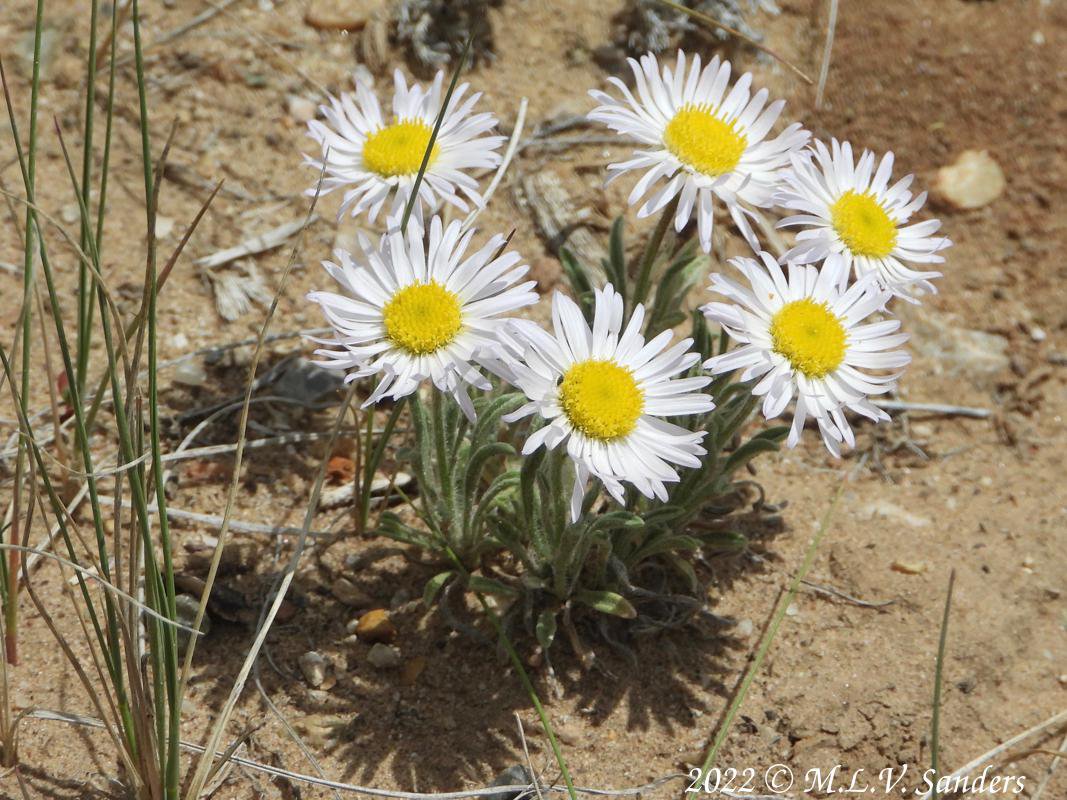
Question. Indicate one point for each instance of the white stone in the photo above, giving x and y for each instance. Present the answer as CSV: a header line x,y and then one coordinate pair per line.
x,y
973,181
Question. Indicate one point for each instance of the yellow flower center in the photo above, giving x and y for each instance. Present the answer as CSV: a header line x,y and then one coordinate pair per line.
x,y
810,335
699,139
422,318
398,149
863,225
601,399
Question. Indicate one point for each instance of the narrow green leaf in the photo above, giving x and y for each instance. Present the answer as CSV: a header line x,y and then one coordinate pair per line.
x,y
434,586
484,585
546,629
607,603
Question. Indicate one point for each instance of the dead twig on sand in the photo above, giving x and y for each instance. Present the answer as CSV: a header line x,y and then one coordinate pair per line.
x,y
268,240
935,408
971,766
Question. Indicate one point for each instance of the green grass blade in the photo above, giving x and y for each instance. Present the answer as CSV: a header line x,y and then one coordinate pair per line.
x,y
935,722
433,135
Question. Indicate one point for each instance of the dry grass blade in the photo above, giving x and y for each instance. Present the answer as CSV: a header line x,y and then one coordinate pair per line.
x,y
204,767
824,68
92,575
509,154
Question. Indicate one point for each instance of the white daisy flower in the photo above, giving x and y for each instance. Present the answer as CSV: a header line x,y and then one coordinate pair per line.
x,y
802,337
850,208
705,142
372,158
421,308
604,391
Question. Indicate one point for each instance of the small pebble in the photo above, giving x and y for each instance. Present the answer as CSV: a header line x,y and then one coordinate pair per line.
x,y
382,656
973,181
164,227
744,628
1038,334
792,610
300,108
376,627
516,775
313,665
409,675
337,15
190,373
908,567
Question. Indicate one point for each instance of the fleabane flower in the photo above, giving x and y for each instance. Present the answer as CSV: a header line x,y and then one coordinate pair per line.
x,y
802,337
604,391
373,157
420,308
705,142
849,207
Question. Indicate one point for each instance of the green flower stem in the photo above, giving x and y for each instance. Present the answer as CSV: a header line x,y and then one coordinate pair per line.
x,y
644,276
371,460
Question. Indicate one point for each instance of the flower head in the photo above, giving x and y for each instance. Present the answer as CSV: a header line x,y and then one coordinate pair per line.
x,y
373,157
604,391
802,337
706,143
848,207
421,308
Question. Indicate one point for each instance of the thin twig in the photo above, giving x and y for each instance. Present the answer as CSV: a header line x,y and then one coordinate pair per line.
x,y
1003,747
181,30
268,240
1061,754
467,794
217,521
833,592
935,408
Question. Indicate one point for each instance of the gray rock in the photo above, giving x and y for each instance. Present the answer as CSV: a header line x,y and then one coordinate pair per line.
x,y
190,373
300,108
515,775
953,349
186,606
350,594
314,666
307,382
383,656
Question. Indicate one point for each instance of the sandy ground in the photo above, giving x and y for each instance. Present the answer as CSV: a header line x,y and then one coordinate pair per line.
x,y
845,683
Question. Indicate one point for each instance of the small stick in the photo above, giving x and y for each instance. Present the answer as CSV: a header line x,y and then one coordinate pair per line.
x,y
1061,754
467,794
269,240
216,521
935,408
971,766
529,761
830,590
